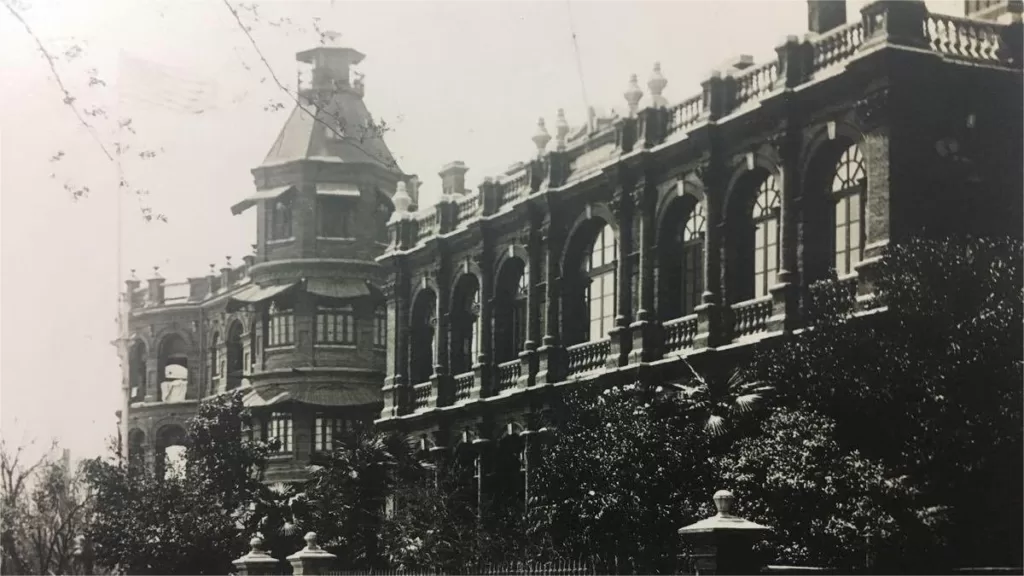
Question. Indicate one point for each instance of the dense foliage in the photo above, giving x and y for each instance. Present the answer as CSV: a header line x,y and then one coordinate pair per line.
x,y
195,523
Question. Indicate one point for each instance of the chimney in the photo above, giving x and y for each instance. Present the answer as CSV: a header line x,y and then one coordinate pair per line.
x,y
413,189
225,273
155,293
453,178
825,15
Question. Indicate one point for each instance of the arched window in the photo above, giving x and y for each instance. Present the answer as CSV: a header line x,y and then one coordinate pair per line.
x,y
766,236
235,359
680,274
601,291
465,325
510,319
693,259
848,194
279,220
421,361
136,447
170,451
172,369
137,371
214,357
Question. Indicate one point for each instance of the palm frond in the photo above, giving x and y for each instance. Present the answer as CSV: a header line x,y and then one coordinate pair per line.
x,y
747,402
715,425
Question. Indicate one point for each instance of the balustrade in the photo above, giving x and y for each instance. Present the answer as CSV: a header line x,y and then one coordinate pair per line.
x,y
588,356
421,395
685,114
751,317
463,386
680,333
836,46
467,208
516,187
755,82
508,373
427,225
963,38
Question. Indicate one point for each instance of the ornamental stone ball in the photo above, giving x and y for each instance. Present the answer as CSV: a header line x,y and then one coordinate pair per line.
x,y
723,502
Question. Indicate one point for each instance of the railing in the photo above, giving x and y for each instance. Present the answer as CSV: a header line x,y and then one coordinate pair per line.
x,y
680,332
421,395
751,317
963,38
508,374
588,355
427,224
685,114
836,46
755,82
177,293
463,386
516,187
467,208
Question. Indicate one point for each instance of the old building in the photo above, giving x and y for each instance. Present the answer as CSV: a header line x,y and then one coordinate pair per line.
x,y
299,322
692,230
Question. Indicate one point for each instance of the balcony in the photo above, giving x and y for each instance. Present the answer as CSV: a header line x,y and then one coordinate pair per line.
x,y
680,333
508,374
588,356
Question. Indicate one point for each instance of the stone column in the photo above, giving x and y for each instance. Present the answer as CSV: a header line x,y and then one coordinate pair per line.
x,y
785,292
723,543
550,361
534,267
153,376
482,447
311,560
710,311
622,206
482,369
256,562
646,329
440,379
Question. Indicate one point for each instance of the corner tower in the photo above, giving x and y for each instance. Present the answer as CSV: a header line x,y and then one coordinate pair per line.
x,y
322,200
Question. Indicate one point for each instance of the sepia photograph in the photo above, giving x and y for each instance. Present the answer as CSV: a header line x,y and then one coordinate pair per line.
x,y
511,287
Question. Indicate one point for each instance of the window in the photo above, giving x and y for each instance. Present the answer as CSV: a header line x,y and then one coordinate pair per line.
x,y
281,328
380,327
334,217
692,243
766,236
214,370
848,193
327,433
137,372
467,326
602,289
335,326
280,428
520,313
422,324
280,216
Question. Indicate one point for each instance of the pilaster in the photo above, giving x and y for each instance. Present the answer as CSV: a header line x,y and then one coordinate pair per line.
x,y
621,204
710,317
646,329
550,362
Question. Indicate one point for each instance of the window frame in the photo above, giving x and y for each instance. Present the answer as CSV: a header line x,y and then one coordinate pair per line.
x,y
280,212
280,426
329,207
765,217
691,243
336,326
280,327
380,326
327,431
601,272
849,186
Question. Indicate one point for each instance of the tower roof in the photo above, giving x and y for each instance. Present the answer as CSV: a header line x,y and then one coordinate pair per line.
x,y
331,121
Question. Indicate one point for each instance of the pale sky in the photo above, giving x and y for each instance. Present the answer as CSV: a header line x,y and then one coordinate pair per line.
x,y
455,81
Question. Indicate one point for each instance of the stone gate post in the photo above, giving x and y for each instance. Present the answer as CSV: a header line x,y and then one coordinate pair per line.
x,y
723,543
312,559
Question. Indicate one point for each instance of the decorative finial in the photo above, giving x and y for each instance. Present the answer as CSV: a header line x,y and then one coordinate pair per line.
x,y
213,268
228,260
633,94
591,119
134,277
255,248
656,84
156,271
401,199
255,545
723,502
541,137
310,539
561,130
330,38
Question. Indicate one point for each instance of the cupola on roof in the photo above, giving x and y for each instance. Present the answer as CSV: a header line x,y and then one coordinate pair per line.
x,y
332,122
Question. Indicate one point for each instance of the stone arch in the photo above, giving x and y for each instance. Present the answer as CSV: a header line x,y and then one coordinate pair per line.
x,y
817,222
234,354
680,255
578,278
688,185
174,349
741,231
169,435
138,361
756,162
423,329
511,316
464,322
